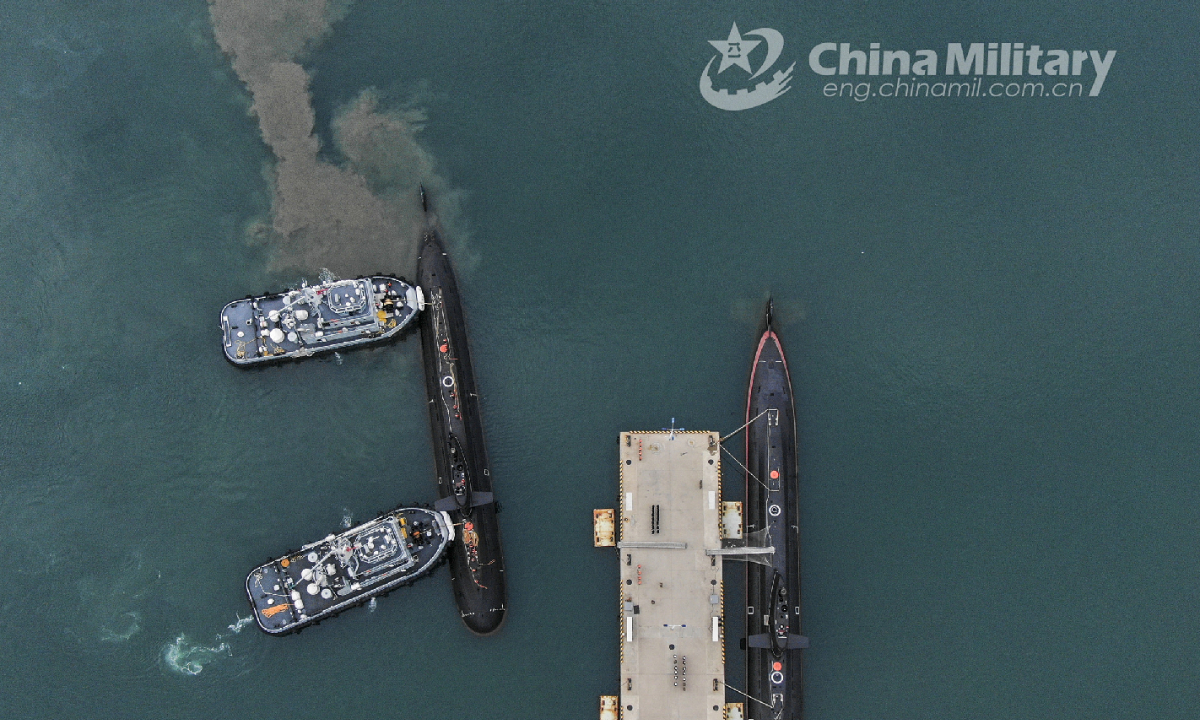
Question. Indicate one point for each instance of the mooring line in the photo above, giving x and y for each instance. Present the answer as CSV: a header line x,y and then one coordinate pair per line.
x,y
749,697
735,432
731,457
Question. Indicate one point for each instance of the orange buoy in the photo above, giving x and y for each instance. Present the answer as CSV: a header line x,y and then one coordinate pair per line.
x,y
285,562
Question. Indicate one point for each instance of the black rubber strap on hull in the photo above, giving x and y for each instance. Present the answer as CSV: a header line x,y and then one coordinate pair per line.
x,y
795,642
478,499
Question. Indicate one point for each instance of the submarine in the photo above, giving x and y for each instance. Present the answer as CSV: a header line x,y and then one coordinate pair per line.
x,y
774,643
464,480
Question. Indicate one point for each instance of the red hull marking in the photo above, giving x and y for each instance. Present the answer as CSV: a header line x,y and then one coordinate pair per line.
x,y
768,335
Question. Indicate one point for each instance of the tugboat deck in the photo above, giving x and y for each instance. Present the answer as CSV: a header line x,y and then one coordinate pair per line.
x,y
326,577
672,626
317,318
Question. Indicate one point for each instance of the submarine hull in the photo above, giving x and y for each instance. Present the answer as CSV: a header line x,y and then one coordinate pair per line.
x,y
464,479
774,652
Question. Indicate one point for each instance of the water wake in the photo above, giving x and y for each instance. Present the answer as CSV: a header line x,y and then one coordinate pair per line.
x,y
187,658
241,623
110,635
111,605
749,311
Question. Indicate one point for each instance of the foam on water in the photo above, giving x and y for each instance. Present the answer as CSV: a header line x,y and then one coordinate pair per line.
x,y
240,623
188,658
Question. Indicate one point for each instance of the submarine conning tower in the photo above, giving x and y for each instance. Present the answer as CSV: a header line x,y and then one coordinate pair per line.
x,y
463,475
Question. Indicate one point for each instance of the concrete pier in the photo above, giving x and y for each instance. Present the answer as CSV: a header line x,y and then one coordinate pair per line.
x,y
671,594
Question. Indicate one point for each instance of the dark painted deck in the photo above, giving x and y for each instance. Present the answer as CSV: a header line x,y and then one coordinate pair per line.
x,y
774,666
268,328
316,582
476,559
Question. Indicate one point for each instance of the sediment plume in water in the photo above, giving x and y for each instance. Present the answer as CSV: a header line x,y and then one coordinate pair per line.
x,y
360,216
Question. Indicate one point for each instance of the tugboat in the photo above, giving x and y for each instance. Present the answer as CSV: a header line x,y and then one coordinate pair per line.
x,y
324,578
464,482
774,664
334,315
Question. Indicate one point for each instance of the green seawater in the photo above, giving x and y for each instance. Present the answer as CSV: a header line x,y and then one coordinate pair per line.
x,y
990,308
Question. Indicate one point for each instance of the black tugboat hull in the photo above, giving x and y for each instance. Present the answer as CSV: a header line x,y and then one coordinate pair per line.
x,y
476,558
774,660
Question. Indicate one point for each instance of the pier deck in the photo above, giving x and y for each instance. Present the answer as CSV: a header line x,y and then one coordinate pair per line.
x,y
672,626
